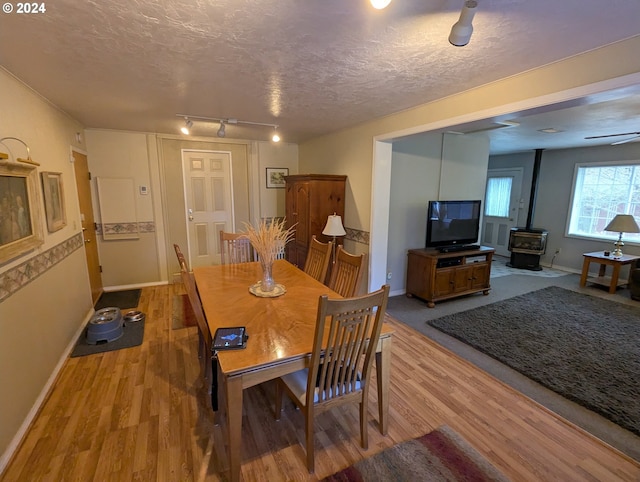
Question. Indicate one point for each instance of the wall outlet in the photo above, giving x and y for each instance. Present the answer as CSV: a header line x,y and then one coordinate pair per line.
x,y
389,275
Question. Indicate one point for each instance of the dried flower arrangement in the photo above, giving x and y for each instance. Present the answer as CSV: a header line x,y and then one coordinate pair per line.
x,y
268,240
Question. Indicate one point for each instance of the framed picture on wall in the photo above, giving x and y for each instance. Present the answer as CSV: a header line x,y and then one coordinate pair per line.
x,y
53,200
20,226
275,177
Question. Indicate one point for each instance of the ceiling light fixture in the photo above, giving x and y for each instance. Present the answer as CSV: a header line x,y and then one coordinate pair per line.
x,y
187,125
550,130
380,4
221,132
224,122
462,29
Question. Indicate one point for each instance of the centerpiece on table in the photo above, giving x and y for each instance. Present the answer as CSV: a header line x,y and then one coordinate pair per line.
x,y
268,240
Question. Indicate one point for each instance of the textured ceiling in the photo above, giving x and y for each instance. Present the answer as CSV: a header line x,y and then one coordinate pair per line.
x,y
312,67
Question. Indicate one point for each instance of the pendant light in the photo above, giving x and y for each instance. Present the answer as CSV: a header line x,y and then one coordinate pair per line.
x,y
221,132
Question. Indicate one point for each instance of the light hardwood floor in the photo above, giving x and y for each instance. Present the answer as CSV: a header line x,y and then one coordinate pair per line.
x,y
142,414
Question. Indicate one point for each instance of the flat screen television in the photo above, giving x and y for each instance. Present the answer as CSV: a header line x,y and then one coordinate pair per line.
x,y
452,223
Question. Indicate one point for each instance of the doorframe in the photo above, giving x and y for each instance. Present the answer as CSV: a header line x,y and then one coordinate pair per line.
x,y
72,160
184,191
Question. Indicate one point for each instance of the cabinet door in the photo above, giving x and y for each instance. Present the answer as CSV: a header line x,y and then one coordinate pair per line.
x,y
444,282
301,214
463,278
480,276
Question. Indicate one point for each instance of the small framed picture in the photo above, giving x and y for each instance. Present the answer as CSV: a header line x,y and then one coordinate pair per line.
x,y
53,200
275,177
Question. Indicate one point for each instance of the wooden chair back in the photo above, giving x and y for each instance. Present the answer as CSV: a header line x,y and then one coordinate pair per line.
x,y
235,248
346,273
344,346
318,257
181,259
204,334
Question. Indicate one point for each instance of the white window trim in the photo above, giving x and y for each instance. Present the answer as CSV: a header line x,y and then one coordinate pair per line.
x,y
577,166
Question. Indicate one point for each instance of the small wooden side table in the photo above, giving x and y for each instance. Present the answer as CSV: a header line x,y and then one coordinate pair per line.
x,y
611,281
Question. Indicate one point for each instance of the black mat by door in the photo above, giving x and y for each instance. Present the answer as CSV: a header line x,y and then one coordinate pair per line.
x,y
119,299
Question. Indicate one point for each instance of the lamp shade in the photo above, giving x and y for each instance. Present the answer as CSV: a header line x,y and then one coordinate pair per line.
x,y
623,223
334,226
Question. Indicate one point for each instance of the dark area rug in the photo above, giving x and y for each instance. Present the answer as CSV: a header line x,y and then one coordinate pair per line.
x,y
441,455
587,349
182,316
133,336
119,299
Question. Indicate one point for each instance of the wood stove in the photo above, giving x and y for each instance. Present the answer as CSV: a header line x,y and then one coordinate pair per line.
x,y
528,244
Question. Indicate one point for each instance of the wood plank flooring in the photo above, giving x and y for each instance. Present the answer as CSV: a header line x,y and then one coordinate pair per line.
x,y
142,414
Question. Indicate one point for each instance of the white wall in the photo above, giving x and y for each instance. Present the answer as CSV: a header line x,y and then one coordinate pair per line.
x,y
280,155
415,179
424,168
117,154
45,292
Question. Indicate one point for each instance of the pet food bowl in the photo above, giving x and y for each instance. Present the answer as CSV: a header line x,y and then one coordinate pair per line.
x,y
105,326
133,316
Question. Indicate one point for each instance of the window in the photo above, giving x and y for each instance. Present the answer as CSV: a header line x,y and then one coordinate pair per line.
x,y
498,197
600,192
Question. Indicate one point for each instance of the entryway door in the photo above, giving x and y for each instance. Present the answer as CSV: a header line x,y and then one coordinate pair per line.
x,y
208,190
83,186
502,206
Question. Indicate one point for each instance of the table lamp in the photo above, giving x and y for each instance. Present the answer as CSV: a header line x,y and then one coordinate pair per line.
x,y
334,229
622,223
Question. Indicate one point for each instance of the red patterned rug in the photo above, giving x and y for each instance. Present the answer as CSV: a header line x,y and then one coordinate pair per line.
x,y
441,455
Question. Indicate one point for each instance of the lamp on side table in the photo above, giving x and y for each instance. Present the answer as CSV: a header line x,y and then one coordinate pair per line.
x,y
622,223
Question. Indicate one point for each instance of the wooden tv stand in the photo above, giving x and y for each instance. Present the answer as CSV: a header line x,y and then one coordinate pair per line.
x,y
435,276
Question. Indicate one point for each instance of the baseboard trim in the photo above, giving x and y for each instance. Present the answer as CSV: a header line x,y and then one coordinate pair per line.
x,y
42,397
108,289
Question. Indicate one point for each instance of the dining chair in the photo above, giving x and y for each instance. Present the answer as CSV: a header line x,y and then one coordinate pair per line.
x,y
346,273
181,259
235,248
340,366
204,334
318,257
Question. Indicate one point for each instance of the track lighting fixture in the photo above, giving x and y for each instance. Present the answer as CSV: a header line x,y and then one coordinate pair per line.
x,y
380,4
187,125
462,29
221,132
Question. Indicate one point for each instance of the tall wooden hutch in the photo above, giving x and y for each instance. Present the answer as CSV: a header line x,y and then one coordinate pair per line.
x,y
310,199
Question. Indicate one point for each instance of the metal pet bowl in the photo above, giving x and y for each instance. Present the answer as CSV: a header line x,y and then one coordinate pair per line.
x,y
105,326
133,316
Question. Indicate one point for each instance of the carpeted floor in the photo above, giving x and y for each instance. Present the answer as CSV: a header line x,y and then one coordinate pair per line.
x,y
582,347
439,456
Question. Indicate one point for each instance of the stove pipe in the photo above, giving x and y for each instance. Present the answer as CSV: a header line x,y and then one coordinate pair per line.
x,y
534,187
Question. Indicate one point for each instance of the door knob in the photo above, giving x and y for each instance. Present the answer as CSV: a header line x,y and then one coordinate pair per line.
x,y
87,240
190,214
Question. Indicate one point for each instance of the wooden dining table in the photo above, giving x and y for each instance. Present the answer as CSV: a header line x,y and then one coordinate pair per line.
x,y
280,329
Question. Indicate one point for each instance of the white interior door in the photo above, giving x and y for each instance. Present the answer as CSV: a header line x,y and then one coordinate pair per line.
x,y
208,190
502,206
